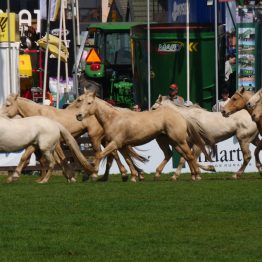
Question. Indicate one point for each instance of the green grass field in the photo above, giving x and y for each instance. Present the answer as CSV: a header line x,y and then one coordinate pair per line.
x,y
215,219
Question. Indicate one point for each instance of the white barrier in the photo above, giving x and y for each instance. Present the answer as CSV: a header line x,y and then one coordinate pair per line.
x,y
228,158
12,159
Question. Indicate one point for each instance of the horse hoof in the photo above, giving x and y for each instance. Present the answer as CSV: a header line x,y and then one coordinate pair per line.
x,y
235,176
41,181
125,178
173,178
11,179
176,175
198,177
94,177
102,179
72,180
85,177
157,178
133,179
141,178
193,178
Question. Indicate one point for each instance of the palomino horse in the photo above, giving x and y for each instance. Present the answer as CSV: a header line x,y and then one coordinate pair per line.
x,y
16,105
125,127
237,102
40,133
255,104
220,128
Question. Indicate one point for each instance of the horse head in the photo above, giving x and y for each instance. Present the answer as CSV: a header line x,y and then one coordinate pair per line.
x,y
236,103
11,107
87,107
257,112
254,100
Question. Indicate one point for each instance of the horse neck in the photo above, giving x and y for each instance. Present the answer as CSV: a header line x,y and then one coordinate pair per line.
x,y
104,113
27,108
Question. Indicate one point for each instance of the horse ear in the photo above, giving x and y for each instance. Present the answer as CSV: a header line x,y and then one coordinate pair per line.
x,y
242,90
85,90
160,98
15,96
94,94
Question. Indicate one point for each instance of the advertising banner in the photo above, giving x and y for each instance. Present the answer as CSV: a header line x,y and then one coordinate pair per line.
x,y
228,158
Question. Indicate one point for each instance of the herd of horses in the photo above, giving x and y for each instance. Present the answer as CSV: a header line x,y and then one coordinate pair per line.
x,y
189,130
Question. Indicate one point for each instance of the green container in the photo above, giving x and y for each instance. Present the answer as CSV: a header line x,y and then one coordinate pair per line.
x,y
169,63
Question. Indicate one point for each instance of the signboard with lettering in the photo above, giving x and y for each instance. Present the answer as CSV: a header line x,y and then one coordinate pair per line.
x,y
200,11
228,158
4,30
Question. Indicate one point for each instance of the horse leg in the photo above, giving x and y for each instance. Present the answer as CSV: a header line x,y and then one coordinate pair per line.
x,y
133,170
51,163
244,145
61,160
185,151
164,146
197,152
180,165
256,153
22,163
96,143
121,167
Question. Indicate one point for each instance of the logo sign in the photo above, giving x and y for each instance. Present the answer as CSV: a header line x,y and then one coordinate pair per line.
x,y
170,47
179,9
57,30
93,57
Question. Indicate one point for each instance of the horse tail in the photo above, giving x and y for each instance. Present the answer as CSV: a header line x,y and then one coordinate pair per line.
x,y
134,155
74,147
199,137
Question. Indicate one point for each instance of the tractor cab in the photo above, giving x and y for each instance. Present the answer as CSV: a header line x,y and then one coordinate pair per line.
x,y
109,63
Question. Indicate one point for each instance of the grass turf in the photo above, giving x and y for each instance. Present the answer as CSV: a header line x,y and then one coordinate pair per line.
x,y
215,219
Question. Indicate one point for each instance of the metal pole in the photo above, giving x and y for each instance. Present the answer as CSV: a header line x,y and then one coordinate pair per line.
x,y
187,51
216,55
77,24
59,53
148,54
9,47
74,43
66,63
46,51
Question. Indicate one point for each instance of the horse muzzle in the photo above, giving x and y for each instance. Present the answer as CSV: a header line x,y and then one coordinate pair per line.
x,y
249,106
225,114
79,117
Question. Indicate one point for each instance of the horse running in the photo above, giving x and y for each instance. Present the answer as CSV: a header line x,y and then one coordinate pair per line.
x,y
240,101
125,127
255,105
220,128
16,105
39,133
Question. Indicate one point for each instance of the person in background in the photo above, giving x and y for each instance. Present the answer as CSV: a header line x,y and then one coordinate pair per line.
x,y
221,103
230,81
136,108
173,95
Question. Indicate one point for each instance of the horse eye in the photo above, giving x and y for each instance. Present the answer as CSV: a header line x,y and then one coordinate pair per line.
x,y
89,103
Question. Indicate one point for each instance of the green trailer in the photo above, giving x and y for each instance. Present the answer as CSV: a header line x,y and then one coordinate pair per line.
x,y
168,62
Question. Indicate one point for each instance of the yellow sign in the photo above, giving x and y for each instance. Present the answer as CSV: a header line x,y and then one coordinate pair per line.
x,y
93,57
14,36
193,47
25,66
